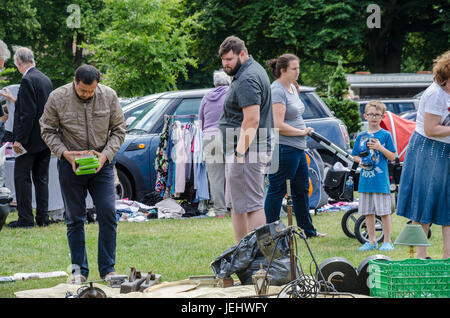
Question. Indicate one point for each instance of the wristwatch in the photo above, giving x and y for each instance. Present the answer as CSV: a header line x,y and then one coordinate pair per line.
x,y
238,155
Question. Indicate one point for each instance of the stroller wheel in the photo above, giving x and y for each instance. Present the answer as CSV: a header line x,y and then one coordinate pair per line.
x,y
348,222
361,233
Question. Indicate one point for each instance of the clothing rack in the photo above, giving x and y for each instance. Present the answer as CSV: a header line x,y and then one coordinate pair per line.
x,y
168,119
164,165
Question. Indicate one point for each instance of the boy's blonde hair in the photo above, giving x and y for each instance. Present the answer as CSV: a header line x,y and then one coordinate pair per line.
x,y
380,106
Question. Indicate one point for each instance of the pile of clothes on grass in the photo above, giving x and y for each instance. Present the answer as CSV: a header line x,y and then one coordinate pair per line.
x,y
153,206
337,207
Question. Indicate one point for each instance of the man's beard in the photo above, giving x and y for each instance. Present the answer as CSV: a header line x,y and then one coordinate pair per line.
x,y
84,100
235,69
87,100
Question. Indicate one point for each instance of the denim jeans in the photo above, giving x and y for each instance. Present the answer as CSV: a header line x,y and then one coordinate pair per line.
x,y
292,165
74,191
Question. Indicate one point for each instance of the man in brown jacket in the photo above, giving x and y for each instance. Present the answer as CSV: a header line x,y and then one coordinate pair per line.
x,y
78,117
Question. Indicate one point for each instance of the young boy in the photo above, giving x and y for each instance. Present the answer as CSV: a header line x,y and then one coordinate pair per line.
x,y
373,148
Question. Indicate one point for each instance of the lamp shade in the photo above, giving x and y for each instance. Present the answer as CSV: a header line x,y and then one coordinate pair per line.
x,y
412,235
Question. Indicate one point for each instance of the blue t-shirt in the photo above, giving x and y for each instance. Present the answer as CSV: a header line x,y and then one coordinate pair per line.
x,y
375,179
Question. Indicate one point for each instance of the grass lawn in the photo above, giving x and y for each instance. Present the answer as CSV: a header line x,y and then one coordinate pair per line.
x,y
176,249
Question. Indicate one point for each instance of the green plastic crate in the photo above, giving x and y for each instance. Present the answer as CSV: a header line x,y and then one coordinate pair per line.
x,y
410,278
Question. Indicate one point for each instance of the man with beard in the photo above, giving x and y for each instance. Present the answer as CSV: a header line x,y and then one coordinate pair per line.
x,y
79,117
245,124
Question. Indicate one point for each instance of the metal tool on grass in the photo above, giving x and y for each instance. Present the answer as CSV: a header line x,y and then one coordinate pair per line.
x,y
88,292
291,239
138,282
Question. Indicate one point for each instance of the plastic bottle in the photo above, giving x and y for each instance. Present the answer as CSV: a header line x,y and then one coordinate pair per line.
x,y
349,183
347,194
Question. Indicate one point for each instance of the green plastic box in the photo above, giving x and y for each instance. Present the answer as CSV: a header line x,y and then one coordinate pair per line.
x,y
89,166
79,172
86,159
410,278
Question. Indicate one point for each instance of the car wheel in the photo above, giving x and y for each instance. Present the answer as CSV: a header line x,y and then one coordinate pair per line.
x,y
124,189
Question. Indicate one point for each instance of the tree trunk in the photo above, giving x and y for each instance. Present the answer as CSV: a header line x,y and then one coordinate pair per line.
x,y
79,50
385,47
393,58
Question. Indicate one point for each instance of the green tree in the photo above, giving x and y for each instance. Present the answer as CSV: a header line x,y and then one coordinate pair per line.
x,y
145,46
343,108
318,31
43,26
59,46
19,26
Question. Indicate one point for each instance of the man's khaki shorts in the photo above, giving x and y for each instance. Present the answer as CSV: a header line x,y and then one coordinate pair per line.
x,y
245,182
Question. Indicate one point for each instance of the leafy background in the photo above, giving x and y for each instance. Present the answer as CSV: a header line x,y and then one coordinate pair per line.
x,y
148,46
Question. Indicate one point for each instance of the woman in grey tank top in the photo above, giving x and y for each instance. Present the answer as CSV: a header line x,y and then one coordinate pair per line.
x,y
291,158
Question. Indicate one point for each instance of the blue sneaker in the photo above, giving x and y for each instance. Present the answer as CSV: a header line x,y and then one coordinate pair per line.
x,y
386,247
367,247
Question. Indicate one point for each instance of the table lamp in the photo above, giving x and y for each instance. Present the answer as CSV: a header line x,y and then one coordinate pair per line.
x,y
412,235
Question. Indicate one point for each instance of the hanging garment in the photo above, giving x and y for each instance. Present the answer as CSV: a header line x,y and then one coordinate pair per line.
x,y
161,162
200,175
170,160
188,139
180,158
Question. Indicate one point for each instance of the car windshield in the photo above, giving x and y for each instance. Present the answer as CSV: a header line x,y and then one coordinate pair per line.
x,y
401,106
139,100
149,117
124,101
314,107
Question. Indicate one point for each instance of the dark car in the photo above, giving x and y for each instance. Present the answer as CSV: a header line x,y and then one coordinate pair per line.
x,y
135,159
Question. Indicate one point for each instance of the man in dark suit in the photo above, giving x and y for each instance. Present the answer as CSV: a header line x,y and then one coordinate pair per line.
x,y
33,154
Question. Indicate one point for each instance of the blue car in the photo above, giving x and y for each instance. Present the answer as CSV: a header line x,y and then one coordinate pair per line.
x,y
135,159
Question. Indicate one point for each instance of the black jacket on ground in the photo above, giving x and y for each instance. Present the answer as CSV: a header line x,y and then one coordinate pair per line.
x,y
31,98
